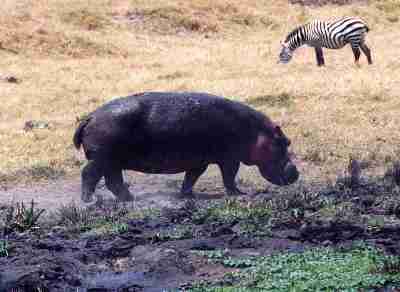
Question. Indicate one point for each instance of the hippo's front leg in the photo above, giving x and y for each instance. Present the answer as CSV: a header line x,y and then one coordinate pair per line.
x,y
191,176
115,183
229,170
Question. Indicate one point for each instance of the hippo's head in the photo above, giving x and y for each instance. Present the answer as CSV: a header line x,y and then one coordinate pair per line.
x,y
270,154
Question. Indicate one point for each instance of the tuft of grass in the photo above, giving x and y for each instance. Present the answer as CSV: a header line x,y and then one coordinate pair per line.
x,y
321,269
388,6
247,217
174,75
102,218
87,19
280,100
21,218
231,210
176,233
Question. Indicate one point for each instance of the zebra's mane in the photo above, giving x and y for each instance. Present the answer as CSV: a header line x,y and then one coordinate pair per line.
x,y
293,33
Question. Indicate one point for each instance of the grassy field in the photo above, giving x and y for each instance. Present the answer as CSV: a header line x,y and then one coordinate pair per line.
x,y
71,56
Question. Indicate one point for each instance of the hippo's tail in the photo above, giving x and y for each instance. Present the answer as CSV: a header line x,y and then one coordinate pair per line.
x,y
78,133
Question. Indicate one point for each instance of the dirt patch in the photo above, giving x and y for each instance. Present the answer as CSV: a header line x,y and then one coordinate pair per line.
x,y
325,2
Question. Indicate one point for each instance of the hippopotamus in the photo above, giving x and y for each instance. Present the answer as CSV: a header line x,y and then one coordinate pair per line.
x,y
174,132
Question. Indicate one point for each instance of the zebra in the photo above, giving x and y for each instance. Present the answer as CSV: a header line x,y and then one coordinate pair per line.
x,y
331,35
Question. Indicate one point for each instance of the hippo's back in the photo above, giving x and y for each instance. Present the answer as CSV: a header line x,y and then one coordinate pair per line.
x,y
169,123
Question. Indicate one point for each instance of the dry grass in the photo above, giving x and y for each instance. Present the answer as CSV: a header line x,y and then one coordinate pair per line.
x,y
72,56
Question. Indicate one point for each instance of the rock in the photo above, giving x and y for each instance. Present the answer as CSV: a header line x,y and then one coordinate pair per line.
x,y
30,125
288,234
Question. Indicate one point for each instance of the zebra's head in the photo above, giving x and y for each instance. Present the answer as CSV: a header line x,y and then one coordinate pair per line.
x,y
286,54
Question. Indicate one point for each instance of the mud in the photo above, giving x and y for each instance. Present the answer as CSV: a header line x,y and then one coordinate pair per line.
x,y
150,255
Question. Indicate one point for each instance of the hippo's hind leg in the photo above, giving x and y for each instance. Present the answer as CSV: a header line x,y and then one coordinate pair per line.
x,y
191,176
229,170
91,175
115,183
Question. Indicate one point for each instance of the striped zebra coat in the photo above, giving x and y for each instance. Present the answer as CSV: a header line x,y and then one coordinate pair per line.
x,y
331,35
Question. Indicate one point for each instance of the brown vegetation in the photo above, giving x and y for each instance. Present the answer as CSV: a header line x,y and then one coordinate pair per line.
x,y
70,57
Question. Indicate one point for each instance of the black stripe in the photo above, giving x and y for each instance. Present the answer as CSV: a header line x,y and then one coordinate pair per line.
x,y
346,27
338,23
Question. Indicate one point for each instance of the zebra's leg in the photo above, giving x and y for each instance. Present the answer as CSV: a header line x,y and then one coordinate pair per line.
x,y
367,52
320,56
357,53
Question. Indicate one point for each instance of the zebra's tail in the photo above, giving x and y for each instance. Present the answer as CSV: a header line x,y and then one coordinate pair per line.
x,y
367,28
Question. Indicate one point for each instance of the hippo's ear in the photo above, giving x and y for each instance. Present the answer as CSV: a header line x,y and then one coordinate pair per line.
x,y
281,136
278,130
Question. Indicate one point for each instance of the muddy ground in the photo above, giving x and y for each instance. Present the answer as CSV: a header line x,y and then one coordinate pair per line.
x,y
159,250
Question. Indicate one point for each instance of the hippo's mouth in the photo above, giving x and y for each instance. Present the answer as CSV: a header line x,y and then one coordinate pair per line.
x,y
281,177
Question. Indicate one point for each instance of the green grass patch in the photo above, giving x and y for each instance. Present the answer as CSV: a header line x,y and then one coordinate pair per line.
x,y
232,209
250,217
322,269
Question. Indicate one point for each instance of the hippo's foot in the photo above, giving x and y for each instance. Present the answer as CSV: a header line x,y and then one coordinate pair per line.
x,y
186,194
86,197
116,185
234,192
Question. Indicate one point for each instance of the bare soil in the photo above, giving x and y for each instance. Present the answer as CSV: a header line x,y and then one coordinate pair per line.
x,y
149,190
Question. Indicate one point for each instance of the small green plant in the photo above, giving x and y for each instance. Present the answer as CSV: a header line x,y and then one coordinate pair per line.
x,y
321,269
3,248
21,218
176,233
120,228
218,254
231,210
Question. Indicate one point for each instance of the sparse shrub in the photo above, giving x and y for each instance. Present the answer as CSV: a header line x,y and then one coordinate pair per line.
x,y
102,217
20,218
73,215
